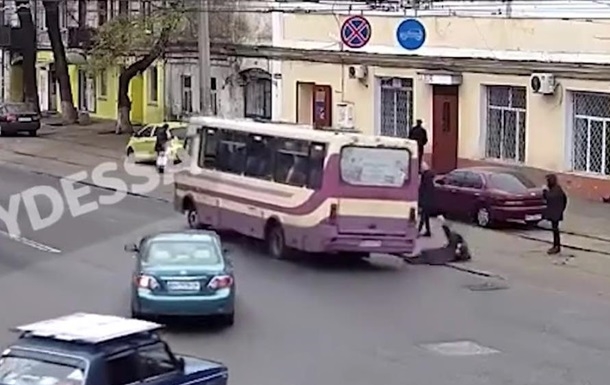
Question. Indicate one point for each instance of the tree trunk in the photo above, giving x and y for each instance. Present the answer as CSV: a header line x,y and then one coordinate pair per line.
x,y
124,102
28,38
68,112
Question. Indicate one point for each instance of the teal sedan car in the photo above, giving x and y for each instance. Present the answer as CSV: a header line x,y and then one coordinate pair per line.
x,y
183,273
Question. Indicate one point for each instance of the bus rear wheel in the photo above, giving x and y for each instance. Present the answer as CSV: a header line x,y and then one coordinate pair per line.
x,y
276,242
192,217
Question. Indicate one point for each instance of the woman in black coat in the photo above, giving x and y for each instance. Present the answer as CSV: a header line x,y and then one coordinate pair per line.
x,y
426,200
556,203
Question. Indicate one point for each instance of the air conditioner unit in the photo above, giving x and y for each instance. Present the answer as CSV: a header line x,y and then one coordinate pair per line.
x,y
360,72
543,83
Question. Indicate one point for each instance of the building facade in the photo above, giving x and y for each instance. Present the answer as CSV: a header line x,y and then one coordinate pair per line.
x,y
169,89
517,83
241,87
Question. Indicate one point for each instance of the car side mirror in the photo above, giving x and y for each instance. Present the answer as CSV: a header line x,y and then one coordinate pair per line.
x,y
181,364
440,182
131,248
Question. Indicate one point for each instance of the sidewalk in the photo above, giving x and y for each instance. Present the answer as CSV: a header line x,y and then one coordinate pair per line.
x,y
69,149
62,151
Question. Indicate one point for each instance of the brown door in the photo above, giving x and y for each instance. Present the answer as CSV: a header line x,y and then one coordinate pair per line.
x,y
445,105
322,106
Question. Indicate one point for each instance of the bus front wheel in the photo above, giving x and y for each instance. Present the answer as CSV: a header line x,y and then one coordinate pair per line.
x,y
275,240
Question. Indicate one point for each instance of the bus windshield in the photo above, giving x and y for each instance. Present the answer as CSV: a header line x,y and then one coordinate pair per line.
x,y
375,166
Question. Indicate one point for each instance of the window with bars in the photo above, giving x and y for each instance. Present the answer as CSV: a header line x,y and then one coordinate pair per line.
x,y
591,132
396,106
506,123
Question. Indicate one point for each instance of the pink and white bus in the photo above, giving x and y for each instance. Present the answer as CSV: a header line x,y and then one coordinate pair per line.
x,y
296,187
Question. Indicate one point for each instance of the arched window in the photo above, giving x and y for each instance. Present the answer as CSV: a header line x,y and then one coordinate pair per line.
x,y
257,94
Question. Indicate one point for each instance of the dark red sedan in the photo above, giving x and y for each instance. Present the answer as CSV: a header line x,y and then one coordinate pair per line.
x,y
489,195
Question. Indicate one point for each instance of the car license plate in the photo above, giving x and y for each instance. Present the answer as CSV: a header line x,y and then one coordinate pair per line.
x,y
183,286
536,217
370,244
25,119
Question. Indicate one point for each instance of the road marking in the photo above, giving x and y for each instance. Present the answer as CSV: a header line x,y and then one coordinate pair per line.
x,y
460,348
29,242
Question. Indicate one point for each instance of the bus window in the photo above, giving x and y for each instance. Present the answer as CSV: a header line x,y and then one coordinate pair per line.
x,y
291,162
207,157
259,157
231,156
317,154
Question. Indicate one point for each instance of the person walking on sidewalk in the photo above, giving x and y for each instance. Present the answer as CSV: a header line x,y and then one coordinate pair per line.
x,y
419,134
426,200
556,203
162,137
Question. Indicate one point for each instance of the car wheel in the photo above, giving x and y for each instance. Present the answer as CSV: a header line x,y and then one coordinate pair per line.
x,y
192,218
276,243
33,133
130,152
532,224
483,217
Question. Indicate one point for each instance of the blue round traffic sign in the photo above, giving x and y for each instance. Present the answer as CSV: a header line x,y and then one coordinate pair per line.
x,y
411,34
356,32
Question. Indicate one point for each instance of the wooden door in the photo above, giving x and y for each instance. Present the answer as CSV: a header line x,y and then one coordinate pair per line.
x,y
322,106
445,104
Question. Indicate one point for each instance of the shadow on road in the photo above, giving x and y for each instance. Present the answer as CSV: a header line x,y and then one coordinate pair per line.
x,y
319,262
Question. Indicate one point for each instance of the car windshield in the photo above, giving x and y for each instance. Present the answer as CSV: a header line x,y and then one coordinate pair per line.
x,y
18,108
28,371
179,132
375,167
182,253
513,183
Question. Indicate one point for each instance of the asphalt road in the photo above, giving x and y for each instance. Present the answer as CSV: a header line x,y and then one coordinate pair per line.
x,y
306,323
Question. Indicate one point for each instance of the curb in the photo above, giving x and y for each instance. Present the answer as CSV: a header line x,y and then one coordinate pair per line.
x,y
106,188
568,232
87,183
460,266
571,247
474,271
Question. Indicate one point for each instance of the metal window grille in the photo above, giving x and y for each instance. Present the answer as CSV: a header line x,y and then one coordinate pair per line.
x,y
506,117
396,106
591,132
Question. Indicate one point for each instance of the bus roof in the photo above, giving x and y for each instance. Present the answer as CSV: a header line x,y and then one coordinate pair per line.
x,y
293,130
89,328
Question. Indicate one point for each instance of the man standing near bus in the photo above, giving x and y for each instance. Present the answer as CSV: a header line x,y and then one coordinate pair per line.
x,y
419,134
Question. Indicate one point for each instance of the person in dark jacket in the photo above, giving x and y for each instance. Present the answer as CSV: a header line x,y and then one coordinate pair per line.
x,y
419,134
455,250
556,203
426,200
162,138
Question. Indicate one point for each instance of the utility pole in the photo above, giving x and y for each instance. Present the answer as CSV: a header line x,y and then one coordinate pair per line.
x,y
205,93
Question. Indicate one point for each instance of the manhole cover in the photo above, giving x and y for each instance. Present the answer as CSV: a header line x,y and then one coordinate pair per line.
x,y
487,286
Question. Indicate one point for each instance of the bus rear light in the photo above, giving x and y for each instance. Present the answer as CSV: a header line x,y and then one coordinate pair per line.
x,y
332,215
412,215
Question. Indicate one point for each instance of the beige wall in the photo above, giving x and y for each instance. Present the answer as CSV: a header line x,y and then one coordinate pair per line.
x,y
548,35
547,125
